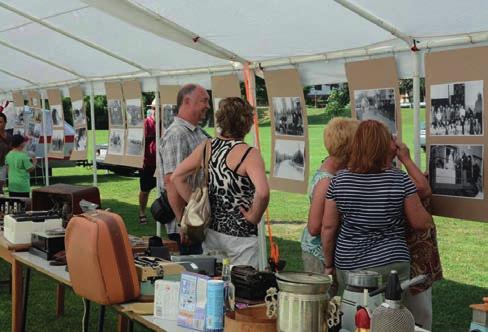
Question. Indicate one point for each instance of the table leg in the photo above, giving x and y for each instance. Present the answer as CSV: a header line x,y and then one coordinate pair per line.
x,y
16,296
122,323
86,317
60,300
25,297
101,318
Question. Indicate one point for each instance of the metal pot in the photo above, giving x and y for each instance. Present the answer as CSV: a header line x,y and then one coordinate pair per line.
x,y
303,282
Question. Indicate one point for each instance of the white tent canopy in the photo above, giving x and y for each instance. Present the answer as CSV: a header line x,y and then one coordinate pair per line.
x,y
63,42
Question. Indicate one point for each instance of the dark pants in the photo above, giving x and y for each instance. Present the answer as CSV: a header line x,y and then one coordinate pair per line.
x,y
17,194
192,249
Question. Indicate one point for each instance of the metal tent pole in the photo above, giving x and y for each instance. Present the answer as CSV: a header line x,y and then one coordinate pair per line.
x,y
416,106
44,130
94,138
157,118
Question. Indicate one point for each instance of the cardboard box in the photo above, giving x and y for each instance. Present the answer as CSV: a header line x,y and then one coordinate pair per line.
x,y
166,294
193,301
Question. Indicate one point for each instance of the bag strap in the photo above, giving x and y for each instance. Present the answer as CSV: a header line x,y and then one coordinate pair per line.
x,y
207,150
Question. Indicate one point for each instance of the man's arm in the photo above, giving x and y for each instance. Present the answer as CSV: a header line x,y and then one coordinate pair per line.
x,y
175,200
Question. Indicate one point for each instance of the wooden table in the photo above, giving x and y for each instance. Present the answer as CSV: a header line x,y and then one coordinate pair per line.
x,y
6,253
60,274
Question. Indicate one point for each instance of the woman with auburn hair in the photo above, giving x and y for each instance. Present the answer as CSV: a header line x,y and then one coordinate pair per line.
x,y
372,202
338,136
237,186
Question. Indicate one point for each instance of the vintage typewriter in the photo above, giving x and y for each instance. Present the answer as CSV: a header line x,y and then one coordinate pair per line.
x,y
48,243
149,269
9,205
18,227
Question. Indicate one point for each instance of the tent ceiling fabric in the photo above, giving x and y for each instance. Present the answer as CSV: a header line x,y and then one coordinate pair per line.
x,y
258,31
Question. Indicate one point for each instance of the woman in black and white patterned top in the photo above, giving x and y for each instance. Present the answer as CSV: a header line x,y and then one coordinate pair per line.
x,y
238,187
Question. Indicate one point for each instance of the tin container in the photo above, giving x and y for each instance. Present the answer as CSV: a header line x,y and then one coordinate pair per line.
x,y
214,321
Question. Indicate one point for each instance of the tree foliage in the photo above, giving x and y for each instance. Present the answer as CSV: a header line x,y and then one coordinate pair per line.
x,y
338,103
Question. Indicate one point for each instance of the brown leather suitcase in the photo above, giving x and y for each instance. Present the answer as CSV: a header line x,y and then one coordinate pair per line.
x,y
64,197
99,256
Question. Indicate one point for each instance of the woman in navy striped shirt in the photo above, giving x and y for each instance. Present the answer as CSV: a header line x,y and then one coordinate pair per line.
x,y
369,204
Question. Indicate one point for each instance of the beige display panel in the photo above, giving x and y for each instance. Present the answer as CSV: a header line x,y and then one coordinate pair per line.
x,y
134,133
224,86
456,91
19,121
57,146
116,123
80,124
167,99
374,92
289,131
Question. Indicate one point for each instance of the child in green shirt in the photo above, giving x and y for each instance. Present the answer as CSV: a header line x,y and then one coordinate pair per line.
x,y
19,166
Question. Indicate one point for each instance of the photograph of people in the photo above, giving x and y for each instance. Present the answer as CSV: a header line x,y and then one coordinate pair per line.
x,y
456,170
57,116
79,115
456,109
376,104
115,112
134,113
288,116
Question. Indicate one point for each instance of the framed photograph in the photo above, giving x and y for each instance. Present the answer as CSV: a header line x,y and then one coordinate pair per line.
x,y
81,137
457,170
135,118
31,145
115,114
116,141
135,142
376,104
19,116
288,116
57,116
289,159
79,114
169,112
456,109
57,141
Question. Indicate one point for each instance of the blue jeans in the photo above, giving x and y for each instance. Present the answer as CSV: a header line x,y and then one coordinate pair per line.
x,y
192,249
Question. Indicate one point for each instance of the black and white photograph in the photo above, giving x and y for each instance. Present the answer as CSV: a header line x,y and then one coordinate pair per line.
x,y
376,104
288,116
57,115
135,118
19,116
57,141
456,170
289,160
115,112
169,112
135,142
37,115
31,146
80,139
79,114
456,109
116,141
18,131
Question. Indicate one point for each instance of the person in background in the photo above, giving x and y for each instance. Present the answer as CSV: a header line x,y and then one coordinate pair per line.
x,y
367,208
5,145
424,252
19,166
147,181
338,136
178,142
237,184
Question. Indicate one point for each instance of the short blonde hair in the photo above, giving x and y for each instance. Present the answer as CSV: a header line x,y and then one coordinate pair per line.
x,y
338,136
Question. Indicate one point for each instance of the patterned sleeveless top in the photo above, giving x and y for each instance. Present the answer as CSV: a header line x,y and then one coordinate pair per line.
x,y
228,191
309,243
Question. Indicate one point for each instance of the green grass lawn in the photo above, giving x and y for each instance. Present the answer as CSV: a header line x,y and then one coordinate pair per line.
x,y
461,242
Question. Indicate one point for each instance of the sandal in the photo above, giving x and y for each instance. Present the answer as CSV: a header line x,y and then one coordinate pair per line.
x,y
142,220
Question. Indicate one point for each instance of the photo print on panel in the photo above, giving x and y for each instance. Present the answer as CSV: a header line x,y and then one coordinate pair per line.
x,y
288,116
376,104
456,170
456,109
289,159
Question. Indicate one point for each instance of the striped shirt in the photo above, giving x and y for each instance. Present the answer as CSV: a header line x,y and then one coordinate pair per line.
x,y
371,208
